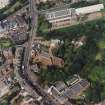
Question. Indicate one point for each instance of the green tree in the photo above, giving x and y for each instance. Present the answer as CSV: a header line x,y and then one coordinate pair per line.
x,y
97,78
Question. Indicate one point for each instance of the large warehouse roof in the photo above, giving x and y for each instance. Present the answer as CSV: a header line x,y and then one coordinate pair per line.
x,y
89,9
59,13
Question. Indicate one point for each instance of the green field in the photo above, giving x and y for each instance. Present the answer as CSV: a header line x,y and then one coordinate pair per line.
x,y
5,43
88,61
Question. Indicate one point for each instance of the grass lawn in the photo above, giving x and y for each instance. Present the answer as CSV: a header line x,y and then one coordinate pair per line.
x,y
5,43
101,44
99,56
88,61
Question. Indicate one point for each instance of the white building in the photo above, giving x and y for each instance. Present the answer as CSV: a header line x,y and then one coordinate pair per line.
x,y
89,9
3,3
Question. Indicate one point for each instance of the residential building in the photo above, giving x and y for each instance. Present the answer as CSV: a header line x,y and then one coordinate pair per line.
x,y
8,56
5,79
45,59
6,71
63,93
3,3
76,1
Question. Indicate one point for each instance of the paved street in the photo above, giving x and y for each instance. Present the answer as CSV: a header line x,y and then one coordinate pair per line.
x,y
30,78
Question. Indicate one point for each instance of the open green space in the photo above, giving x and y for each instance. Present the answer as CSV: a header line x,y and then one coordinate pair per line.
x,y
88,60
5,43
43,24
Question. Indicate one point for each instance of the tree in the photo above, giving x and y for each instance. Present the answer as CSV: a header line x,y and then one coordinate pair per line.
x,y
97,78
43,25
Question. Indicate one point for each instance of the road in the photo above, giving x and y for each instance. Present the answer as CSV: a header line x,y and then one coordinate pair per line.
x,y
27,75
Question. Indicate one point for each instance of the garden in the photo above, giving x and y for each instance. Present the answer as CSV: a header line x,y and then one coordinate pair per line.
x,y
88,60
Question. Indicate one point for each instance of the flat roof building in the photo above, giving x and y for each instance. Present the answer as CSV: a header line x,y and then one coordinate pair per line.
x,y
61,92
60,15
101,103
89,9
3,3
5,75
69,16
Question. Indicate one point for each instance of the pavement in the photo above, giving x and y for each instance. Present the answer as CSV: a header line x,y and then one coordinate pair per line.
x,y
28,76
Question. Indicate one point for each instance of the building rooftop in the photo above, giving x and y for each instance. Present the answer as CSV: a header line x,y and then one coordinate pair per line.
x,y
15,27
101,103
59,13
3,3
45,59
71,13
62,92
76,89
4,89
60,86
2,28
89,9
5,74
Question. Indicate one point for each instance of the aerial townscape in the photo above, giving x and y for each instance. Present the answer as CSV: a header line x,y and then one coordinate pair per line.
x,y
52,52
